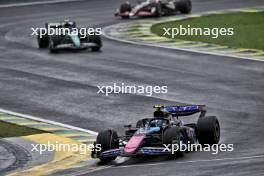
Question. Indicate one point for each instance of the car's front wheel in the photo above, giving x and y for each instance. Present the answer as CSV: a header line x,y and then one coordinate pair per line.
x,y
96,39
175,137
43,41
53,41
108,139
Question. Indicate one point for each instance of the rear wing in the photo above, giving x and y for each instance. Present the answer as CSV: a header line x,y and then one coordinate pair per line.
x,y
176,111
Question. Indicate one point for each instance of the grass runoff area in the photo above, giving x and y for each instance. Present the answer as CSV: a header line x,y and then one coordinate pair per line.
x,y
248,29
12,130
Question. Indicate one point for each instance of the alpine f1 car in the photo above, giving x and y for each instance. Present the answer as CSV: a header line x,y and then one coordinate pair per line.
x,y
66,38
151,135
154,8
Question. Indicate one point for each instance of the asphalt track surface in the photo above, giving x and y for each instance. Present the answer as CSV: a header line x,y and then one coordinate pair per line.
x,y
62,87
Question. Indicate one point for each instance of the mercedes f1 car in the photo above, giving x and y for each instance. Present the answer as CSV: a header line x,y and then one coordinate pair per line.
x,y
67,38
154,8
151,134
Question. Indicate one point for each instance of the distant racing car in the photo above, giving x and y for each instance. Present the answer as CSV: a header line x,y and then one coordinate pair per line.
x,y
151,134
154,8
68,39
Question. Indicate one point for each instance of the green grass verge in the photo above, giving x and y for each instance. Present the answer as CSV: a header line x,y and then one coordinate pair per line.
x,y
248,29
12,130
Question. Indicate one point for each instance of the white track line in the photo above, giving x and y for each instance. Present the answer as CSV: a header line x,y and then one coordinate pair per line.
x,y
181,49
36,3
48,121
193,161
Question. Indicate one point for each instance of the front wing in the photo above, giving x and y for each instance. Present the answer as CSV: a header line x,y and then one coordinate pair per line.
x,y
140,151
72,46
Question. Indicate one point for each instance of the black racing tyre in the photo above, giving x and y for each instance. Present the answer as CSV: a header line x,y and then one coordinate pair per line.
x,y
125,7
97,40
46,25
184,6
208,130
108,139
142,122
174,135
53,41
158,7
43,41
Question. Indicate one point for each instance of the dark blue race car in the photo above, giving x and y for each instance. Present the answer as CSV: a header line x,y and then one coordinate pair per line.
x,y
151,136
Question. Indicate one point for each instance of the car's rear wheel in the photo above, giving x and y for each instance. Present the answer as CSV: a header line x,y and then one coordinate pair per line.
x,y
126,7
208,130
108,139
96,39
184,6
